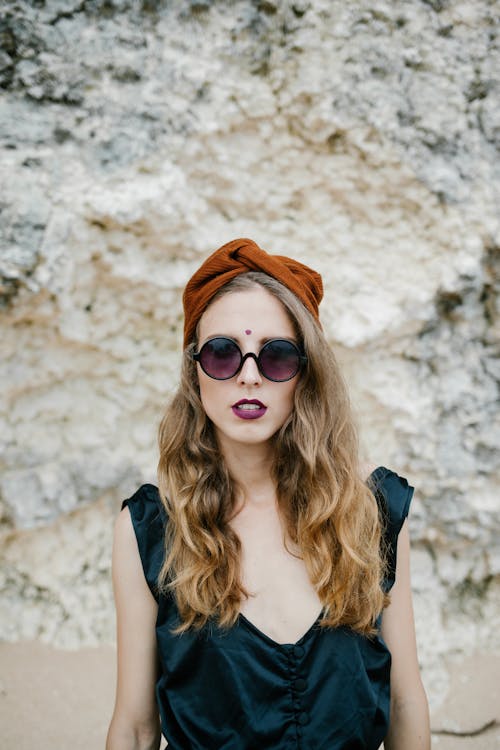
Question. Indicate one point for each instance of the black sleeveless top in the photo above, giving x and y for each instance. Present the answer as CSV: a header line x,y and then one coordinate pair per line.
x,y
237,689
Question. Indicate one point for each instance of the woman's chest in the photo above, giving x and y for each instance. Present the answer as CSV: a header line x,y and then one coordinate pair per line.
x,y
282,602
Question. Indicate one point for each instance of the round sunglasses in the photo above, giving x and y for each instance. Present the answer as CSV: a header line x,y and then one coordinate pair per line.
x,y
221,358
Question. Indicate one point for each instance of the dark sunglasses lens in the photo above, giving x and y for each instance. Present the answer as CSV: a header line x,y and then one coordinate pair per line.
x,y
220,358
279,360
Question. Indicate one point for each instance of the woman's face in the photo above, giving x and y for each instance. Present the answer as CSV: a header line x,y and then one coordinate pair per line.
x,y
250,317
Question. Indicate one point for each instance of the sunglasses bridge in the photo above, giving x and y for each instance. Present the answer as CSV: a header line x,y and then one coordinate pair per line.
x,y
244,358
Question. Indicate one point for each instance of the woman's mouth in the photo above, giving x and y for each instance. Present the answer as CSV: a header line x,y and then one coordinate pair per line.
x,y
249,408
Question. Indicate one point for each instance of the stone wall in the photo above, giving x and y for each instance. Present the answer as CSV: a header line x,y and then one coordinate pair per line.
x,y
137,136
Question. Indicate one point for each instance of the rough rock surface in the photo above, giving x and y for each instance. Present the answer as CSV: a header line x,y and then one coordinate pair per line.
x,y
137,136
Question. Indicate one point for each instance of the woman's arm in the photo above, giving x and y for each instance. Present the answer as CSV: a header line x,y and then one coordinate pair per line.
x,y
409,726
135,724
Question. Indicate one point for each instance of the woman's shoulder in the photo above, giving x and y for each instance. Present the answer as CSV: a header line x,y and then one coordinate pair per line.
x,y
148,518
145,504
393,494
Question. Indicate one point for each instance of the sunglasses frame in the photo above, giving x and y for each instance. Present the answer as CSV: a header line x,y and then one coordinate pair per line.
x,y
302,358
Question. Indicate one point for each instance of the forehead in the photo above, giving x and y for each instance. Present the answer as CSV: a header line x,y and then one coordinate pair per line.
x,y
255,309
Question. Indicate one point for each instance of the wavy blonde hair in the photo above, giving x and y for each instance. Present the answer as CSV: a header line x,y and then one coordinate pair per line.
x,y
329,513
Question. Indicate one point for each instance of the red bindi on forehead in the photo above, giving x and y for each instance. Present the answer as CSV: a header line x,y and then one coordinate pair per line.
x,y
248,331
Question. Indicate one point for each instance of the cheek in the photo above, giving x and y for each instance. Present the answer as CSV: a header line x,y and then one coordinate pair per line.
x,y
209,392
288,397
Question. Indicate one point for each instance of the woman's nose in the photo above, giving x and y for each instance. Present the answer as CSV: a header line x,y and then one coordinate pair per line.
x,y
249,373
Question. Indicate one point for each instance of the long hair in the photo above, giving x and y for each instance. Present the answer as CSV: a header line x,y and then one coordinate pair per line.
x,y
330,515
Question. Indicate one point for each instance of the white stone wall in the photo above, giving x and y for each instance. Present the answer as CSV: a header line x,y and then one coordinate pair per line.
x,y
360,137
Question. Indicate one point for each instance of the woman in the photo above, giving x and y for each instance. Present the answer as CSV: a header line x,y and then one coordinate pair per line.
x,y
252,588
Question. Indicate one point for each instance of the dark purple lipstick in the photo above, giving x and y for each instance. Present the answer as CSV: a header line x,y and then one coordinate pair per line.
x,y
249,408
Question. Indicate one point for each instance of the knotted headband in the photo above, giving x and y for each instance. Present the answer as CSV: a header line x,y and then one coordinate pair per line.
x,y
237,257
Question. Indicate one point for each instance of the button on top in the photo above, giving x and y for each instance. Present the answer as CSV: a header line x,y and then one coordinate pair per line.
x,y
298,651
300,684
303,718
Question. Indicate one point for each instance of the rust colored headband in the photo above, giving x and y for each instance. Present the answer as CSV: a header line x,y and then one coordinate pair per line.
x,y
240,256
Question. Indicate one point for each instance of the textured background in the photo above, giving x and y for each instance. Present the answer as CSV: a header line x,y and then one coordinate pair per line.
x,y
360,137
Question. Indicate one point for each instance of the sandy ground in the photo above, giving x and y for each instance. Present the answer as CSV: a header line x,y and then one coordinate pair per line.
x,y
60,700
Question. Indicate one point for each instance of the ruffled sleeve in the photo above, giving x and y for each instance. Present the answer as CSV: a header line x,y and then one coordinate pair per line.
x,y
148,519
393,494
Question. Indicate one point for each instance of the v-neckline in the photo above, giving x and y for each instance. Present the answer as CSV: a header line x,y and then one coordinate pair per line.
x,y
251,626
277,644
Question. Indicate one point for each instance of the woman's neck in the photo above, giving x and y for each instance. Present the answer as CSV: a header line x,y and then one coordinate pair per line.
x,y
250,466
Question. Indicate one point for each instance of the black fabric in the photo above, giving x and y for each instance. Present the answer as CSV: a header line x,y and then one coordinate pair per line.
x,y
237,689
394,496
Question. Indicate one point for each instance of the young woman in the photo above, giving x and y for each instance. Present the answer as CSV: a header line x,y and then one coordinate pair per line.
x,y
252,587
